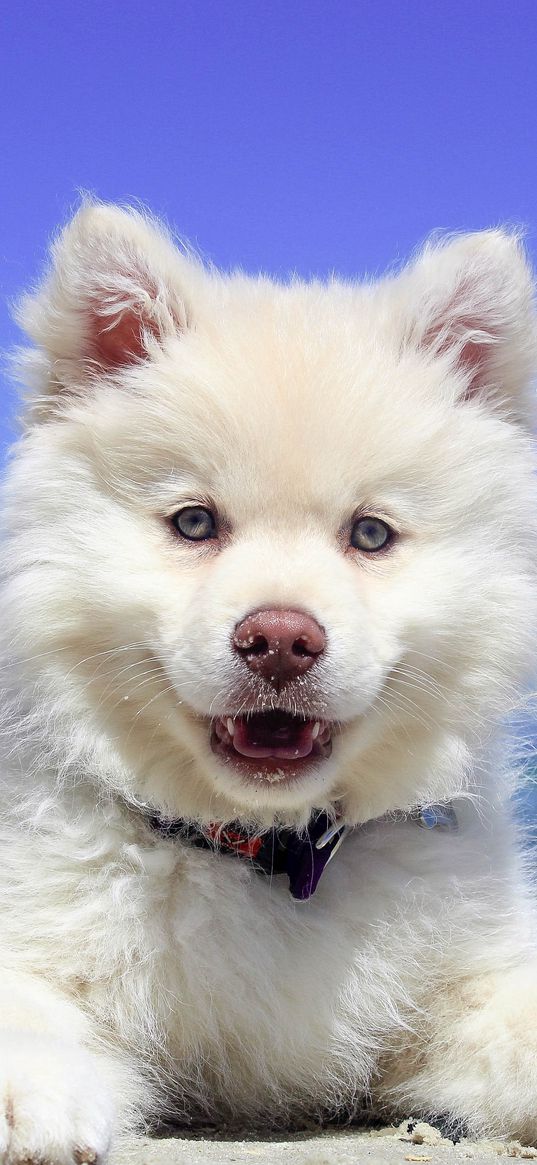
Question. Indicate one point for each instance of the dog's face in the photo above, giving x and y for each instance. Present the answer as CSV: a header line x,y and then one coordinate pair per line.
x,y
271,547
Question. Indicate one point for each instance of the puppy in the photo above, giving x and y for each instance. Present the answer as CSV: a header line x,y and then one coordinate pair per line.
x,y
268,591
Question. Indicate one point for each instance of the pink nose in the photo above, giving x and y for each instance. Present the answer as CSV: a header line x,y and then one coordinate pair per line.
x,y
279,645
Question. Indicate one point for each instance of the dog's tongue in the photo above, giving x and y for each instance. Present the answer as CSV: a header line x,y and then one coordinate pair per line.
x,y
273,734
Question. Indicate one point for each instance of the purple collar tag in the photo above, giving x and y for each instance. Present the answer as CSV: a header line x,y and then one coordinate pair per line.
x,y
302,857
307,857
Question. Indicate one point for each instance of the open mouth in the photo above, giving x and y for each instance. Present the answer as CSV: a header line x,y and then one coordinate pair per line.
x,y
271,746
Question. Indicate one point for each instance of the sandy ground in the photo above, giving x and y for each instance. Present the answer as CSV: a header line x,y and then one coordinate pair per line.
x,y
388,1146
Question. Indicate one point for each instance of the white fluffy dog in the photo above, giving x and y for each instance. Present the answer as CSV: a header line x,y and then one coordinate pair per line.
x,y
268,583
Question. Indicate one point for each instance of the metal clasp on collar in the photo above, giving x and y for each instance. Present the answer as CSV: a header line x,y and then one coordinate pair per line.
x,y
329,835
441,817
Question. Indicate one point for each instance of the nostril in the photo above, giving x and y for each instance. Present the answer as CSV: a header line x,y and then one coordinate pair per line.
x,y
301,647
258,646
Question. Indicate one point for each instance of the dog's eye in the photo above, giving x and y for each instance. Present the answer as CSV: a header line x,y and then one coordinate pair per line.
x,y
370,534
195,523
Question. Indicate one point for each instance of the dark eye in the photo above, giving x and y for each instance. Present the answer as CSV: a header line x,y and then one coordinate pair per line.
x,y
195,523
370,534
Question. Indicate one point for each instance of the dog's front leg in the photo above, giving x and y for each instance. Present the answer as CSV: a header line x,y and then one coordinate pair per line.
x,y
475,1059
59,1102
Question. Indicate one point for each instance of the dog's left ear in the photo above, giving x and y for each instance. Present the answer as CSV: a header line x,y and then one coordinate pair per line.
x,y
471,302
115,292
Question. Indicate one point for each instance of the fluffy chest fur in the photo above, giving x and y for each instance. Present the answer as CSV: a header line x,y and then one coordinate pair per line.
x,y
243,999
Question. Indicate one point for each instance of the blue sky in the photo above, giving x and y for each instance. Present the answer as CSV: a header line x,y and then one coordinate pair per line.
x,y
306,136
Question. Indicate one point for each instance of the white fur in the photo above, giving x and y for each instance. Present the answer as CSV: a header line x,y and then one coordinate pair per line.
x,y
144,976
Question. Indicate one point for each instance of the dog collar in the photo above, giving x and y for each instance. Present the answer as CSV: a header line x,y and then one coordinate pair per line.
x,y
302,856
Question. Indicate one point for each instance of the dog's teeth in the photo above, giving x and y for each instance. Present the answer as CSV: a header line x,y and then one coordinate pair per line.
x,y
230,726
316,730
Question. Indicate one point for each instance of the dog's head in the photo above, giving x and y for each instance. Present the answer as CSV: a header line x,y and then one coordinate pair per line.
x,y
271,547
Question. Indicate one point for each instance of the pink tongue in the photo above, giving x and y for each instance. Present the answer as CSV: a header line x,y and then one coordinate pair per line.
x,y
287,744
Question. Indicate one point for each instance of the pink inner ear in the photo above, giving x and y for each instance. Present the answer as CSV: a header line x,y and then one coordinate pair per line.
x,y
475,359
475,355
120,343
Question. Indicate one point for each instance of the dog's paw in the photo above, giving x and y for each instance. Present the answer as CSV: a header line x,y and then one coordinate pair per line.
x,y
54,1107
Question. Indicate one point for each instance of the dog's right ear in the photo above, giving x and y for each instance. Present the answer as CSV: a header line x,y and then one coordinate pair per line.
x,y
115,290
471,302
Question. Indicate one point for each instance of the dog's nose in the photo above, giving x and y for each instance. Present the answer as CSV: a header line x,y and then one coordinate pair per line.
x,y
280,645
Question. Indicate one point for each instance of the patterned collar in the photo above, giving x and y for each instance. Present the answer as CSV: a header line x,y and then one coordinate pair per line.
x,y
302,856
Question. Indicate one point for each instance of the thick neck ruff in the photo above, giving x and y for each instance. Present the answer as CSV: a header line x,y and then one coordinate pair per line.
x,y
302,856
